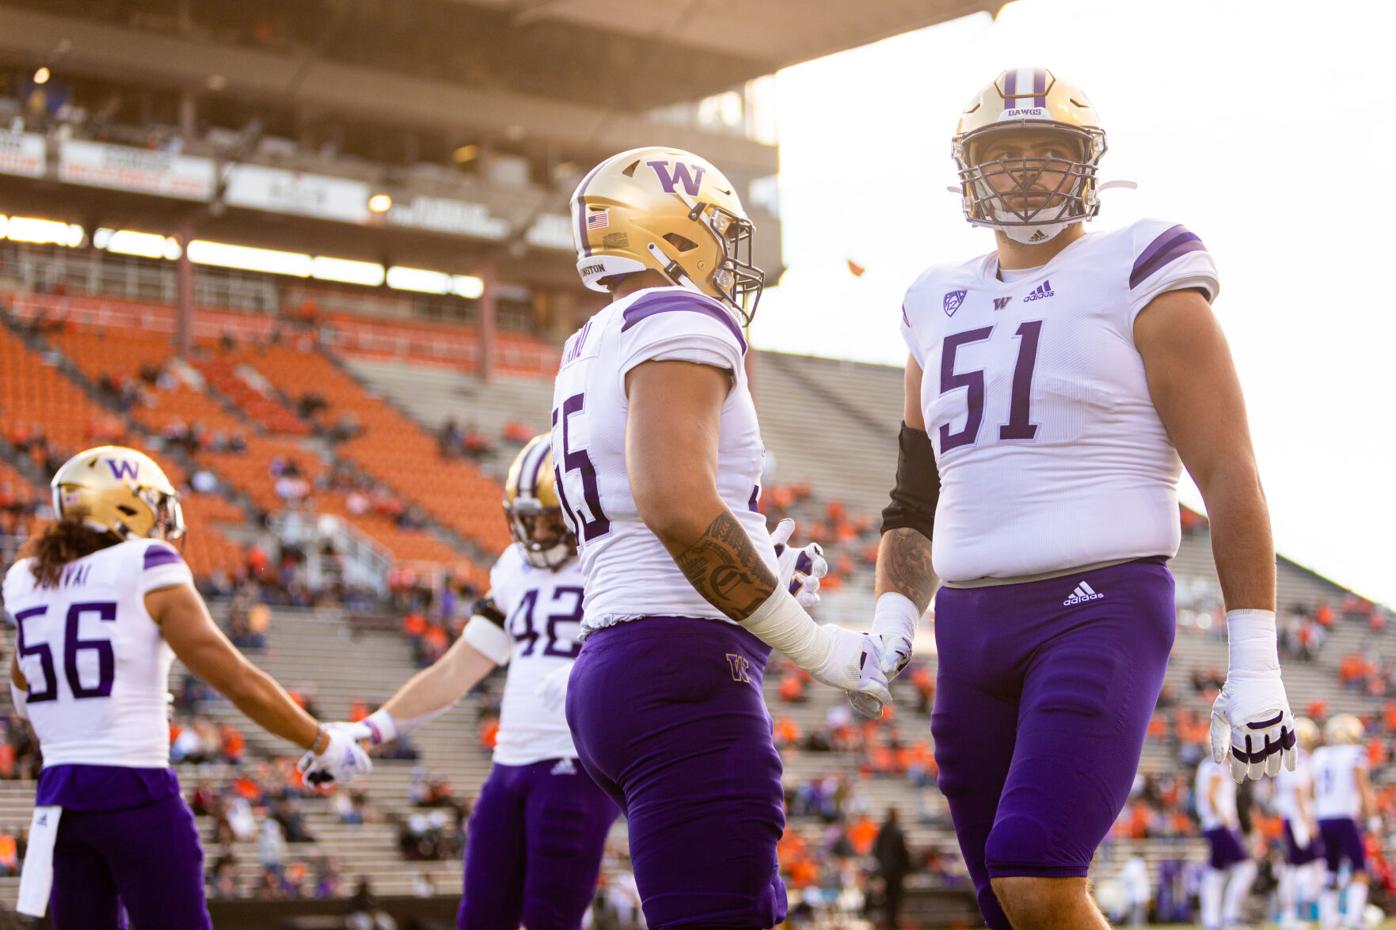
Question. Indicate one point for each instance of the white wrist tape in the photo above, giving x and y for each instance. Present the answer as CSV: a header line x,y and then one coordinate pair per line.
x,y
781,623
895,613
385,728
20,697
1252,645
489,639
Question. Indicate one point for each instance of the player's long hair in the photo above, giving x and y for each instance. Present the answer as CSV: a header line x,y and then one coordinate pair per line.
x,y
63,541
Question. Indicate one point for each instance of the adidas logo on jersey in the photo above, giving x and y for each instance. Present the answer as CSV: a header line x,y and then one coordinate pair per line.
x,y
564,767
1084,592
1041,292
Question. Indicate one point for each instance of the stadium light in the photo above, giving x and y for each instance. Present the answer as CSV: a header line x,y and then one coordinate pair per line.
x,y
43,232
380,203
467,286
419,279
42,75
131,242
247,258
346,271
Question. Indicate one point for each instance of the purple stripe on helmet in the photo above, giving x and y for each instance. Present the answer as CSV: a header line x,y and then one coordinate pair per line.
x,y
1039,87
1179,245
651,304
582,208
156,556
1010,88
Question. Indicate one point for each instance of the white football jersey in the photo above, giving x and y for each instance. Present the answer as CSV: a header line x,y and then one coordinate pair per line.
x,y
1220,813
1335,781
628,571
96,664
1291,786
543,615
1051,454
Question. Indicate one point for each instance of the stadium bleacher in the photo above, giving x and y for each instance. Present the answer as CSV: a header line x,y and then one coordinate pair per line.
x,y
399,407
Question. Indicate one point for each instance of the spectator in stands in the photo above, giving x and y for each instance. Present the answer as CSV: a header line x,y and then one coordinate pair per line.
x,y
289,815
893,863
327,879
224,882
364,912
271,848
449,440
9,852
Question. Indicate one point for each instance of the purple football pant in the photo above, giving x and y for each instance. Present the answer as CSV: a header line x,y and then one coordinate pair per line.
x,y
669,719
1342,839
147,859
534,848
1301,855
1040,714
1223,848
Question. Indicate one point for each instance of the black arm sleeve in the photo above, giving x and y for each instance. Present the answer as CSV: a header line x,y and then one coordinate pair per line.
x,y
485,607
917,491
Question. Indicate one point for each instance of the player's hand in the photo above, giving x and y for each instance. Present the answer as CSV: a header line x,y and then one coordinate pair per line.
x,y
553,688
1253,726
855,666
359,732
894,624
799,570
339,763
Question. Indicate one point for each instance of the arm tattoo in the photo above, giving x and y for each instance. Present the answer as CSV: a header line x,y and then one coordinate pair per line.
x,y
726,569
904,566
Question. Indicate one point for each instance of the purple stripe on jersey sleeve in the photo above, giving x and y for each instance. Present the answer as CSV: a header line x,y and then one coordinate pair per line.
x,y
1169,245
651,304
906,320
156,556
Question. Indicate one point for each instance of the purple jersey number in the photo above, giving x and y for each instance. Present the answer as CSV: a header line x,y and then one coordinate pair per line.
x,y
577,460
523,629
1019,425
73,644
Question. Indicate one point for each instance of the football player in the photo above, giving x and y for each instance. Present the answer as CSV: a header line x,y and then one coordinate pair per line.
x,y
1230,870
1293,801
1053,386
1342,802
539,827
659,456
101,605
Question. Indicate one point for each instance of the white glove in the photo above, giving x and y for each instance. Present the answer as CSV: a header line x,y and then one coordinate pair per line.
x,y
894,624
553,688
341,761
1251,720
799,570
832,655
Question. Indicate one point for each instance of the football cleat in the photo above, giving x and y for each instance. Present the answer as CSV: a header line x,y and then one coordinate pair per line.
x,y
666,210
1018,102
120,491
534,508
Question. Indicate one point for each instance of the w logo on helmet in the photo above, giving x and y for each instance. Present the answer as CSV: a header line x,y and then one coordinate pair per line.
x,y
123,468
671,173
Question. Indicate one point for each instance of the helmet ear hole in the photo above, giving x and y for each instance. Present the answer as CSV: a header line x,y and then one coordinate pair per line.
x,y
128,511
680,242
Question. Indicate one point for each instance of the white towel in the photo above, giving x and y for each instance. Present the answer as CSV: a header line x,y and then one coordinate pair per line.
x,y
37,879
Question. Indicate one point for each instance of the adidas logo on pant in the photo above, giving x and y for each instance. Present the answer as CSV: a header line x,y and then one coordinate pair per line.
x,y
1084,592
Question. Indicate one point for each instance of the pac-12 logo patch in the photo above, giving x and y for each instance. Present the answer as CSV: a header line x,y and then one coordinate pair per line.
x,y
953,300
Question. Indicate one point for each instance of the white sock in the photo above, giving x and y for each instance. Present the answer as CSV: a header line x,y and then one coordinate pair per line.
x,y
1328,907
1311,885
1357,903
1213,880
1238,885
1285,893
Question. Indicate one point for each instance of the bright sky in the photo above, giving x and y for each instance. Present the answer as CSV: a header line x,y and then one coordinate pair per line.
x,y
1265,126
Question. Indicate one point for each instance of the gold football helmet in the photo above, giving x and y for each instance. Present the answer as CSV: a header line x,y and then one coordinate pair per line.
x,y
121,491
1343,730
1029,100
534,508
1306,731
666,210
